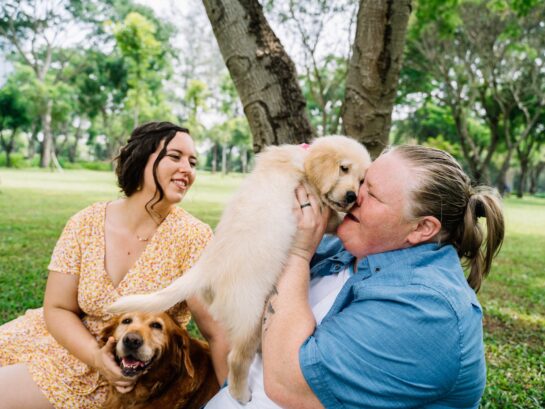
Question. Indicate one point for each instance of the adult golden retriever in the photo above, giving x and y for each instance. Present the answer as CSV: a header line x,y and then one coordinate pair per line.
x,y
174,371
239,268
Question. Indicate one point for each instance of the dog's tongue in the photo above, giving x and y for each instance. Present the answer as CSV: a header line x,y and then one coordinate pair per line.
x,y
130,362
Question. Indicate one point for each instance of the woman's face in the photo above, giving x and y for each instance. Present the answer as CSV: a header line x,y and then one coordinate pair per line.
x,y
377,222
176,170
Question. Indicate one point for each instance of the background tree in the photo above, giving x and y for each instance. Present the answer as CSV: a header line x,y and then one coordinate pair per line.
x,y
484,62
33,31
15,114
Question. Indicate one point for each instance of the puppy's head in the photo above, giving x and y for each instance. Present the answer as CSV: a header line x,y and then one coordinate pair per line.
x,y
148,340
336,166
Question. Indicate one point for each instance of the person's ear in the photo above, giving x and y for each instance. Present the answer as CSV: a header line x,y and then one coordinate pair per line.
x,y
425,230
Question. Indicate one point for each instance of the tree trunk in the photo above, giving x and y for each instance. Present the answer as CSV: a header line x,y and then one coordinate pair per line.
x,y
215,157
224,158
535,173
33,140
244,159
47,144
7,145
500,179
73,149
264,75
522,178
373,71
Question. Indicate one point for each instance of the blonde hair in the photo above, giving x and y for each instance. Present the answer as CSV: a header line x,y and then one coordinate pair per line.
x,y
443,190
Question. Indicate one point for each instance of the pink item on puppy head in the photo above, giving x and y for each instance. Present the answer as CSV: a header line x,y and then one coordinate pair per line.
x,y
305,146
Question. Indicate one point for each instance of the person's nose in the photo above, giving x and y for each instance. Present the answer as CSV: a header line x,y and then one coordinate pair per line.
x,y
184,166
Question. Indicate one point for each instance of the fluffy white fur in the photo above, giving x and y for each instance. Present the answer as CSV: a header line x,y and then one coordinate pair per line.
x,y
239,268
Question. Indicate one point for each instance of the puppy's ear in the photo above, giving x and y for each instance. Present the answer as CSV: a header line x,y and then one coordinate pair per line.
x,y
322,167
107,331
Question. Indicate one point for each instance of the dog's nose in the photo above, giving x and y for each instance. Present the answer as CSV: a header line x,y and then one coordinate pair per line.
x,y
350,197
132,340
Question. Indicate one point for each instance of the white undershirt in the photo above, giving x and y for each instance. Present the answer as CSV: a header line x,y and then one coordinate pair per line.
x,y
322,294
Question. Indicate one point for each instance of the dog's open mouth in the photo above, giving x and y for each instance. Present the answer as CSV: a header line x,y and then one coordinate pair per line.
x,y
338,206
131,366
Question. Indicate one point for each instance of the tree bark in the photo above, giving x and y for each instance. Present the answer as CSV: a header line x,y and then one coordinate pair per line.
x,y
263,73
373,71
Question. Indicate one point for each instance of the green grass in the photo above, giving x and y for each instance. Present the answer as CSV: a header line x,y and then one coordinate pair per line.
x,y
35,205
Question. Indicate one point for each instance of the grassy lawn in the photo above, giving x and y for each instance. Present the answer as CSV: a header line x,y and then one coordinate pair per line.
x,y
35,205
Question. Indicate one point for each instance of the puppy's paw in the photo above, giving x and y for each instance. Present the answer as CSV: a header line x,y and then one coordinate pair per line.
x,y
243,396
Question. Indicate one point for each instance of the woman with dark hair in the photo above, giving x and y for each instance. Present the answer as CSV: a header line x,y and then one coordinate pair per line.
x,y
50,357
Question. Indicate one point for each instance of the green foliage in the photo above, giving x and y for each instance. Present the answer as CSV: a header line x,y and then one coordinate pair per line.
x,y
18,161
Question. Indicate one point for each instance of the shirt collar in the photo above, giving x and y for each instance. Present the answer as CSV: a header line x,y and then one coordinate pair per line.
x,y
374,263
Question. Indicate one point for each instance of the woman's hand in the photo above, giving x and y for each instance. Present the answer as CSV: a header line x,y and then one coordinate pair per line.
x,y
311,223
104,362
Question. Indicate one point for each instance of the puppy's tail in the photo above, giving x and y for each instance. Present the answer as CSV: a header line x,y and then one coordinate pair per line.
x,y
180,289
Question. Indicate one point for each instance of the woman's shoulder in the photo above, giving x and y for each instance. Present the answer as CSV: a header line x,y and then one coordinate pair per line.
x,y
88,215
185,220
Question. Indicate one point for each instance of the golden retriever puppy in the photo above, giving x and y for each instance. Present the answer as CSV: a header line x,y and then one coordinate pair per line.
x,y
174,371
239,268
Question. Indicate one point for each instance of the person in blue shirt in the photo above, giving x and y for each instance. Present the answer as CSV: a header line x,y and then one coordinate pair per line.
x,y
382,316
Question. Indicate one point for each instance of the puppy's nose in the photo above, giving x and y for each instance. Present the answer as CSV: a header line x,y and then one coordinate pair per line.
x,y
350,197
132,340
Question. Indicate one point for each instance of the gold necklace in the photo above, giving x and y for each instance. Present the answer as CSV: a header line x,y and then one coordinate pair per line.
x,y
144,239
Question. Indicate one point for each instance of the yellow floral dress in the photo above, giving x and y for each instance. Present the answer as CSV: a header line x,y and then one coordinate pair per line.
x,y
66,381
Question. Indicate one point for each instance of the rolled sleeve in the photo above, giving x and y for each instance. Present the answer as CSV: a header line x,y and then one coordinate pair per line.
x,y
391,347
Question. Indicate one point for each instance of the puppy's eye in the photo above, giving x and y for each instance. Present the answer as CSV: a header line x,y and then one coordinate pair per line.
x,y
361,181
126,321
156,325
344,169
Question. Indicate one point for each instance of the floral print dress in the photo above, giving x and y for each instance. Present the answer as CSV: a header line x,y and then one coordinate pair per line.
x,y
66,381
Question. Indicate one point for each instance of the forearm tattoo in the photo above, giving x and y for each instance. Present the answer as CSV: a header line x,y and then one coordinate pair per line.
x,y
269,310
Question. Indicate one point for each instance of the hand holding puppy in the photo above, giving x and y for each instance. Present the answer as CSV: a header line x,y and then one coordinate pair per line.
x,y
312,221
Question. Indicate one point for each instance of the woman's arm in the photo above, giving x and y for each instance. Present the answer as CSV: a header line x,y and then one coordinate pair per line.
x,y
288,318
214,334
62,318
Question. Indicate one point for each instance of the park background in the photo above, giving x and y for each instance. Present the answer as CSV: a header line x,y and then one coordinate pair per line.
x,y
467,76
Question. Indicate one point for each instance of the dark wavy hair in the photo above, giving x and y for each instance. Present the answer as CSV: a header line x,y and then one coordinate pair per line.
x,y
133,157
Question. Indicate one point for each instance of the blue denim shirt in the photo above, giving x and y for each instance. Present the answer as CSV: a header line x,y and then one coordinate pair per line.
x,y
404,332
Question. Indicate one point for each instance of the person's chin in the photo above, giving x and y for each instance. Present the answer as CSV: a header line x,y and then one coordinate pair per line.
x,y
176,197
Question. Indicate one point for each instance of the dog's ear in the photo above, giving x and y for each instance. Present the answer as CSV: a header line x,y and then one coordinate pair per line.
x,y
107,331
321,167
183,353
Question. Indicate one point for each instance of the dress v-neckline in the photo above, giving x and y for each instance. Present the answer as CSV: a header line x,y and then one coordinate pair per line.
x,y
137,261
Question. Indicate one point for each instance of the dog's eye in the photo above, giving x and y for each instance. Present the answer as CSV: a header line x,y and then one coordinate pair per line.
x,y
361,181
126,321
344,169
156,325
